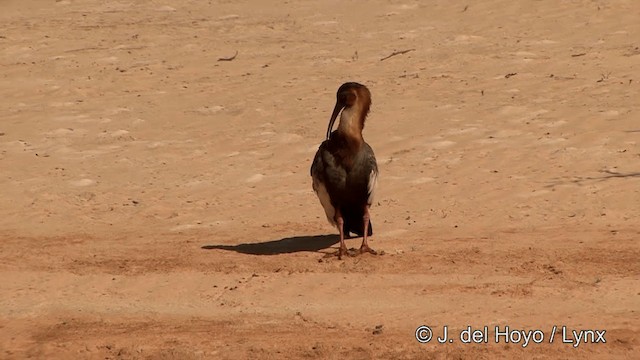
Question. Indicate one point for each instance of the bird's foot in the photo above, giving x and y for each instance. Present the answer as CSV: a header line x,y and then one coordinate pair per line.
x,y
367,249
341,252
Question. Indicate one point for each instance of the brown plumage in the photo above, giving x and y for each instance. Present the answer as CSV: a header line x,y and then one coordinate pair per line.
x,y
344,170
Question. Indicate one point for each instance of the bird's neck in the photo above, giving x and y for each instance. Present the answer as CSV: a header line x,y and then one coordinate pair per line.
x,y
351,123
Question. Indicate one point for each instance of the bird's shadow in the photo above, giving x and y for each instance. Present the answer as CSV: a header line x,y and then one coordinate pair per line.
x,y
283,246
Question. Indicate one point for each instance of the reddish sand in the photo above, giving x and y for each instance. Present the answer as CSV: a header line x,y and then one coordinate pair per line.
x,y
157,203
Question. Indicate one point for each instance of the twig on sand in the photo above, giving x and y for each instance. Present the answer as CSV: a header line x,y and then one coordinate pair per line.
x,y
229,58
604,77
397,53
510,75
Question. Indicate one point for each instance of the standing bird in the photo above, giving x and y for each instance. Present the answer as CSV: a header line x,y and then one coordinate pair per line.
x,y
344,170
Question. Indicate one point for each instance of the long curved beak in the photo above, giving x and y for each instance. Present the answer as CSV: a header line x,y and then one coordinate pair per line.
x,y
336,111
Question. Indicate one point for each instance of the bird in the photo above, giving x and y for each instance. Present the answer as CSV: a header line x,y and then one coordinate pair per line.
x,y
344,170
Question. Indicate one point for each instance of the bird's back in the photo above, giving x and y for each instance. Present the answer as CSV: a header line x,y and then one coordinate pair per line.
x,y
349,176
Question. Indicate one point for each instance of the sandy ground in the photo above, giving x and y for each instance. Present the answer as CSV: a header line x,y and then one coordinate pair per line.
x,y
156,202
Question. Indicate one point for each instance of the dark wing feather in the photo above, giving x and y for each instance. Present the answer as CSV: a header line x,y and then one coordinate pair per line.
x,y
349,182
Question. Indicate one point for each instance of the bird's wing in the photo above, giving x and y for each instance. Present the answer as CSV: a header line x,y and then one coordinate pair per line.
x,y
371,186
318,174
373,174
316,164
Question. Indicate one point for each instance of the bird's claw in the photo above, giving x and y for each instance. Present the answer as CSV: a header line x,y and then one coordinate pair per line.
x,y
342,252
367,249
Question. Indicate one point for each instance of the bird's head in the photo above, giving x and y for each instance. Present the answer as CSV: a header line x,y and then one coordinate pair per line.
x,y
350,94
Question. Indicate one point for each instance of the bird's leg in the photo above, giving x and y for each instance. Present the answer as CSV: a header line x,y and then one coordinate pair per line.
x,y
340,223
365,245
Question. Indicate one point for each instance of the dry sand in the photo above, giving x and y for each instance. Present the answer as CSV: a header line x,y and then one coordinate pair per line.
x,y
156,202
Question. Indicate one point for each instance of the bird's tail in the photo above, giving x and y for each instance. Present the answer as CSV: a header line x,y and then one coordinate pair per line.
x,y
353,223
